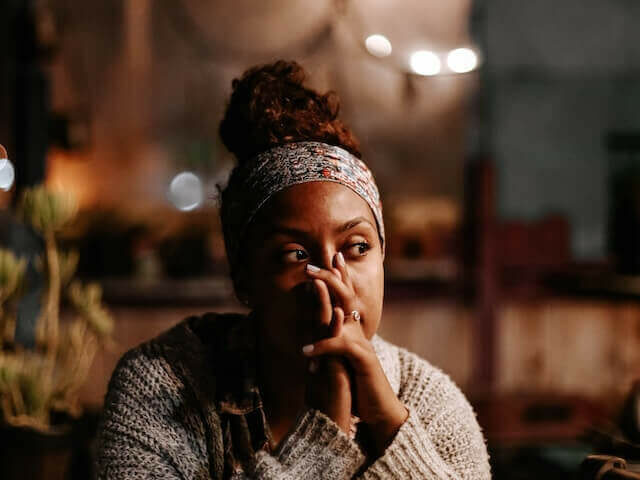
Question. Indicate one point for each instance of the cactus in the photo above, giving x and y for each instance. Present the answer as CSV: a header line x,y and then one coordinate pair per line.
x,y
11,274
33,383
11,282
47,212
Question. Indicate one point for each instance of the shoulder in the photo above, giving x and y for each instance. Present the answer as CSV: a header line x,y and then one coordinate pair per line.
x,y
420,384
441,408
155,408
177,356
413,374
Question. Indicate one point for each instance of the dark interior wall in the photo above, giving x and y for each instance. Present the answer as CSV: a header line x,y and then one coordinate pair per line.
x,y
7,73
560,75
24,93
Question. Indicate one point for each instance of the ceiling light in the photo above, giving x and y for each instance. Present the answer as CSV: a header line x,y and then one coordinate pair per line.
x,y
462,60
378,45
424,62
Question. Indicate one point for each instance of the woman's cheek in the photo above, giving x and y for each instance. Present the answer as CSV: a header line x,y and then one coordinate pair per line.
x,y
366,275
368,284
289,292
289,279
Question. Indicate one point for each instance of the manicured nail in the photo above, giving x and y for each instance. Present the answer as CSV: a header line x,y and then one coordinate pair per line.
x,y
307,348
340,259
312,268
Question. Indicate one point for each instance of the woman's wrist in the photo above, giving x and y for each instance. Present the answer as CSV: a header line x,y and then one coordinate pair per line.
x,y
329,390
382,433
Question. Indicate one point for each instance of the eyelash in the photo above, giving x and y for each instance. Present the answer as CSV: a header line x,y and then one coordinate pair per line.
x,y
364,247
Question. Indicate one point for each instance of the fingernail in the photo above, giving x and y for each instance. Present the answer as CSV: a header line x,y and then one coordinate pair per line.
x,y
340,259
312,268
307,348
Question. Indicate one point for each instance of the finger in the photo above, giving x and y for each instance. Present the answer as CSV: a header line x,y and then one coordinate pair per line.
x,y
334,267
335,284
338,321
341,267
339,346
325,311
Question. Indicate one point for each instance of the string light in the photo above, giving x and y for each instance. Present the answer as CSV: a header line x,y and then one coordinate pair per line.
x,y
378,45
425,62
462,60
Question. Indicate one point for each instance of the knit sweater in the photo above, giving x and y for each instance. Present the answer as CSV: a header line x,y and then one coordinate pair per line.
x,y
163,419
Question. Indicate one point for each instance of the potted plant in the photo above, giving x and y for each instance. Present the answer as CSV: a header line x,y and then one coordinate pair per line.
x,y
39,386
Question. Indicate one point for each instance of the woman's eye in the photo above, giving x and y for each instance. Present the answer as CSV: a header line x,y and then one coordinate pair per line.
x,y
293,256
359,249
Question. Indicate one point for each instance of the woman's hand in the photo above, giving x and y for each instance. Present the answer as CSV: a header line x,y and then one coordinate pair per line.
x,y
328,385
374,400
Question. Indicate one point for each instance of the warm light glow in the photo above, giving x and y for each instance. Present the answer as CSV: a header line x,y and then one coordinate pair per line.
x,y
424,62
185,191
462,60
7,174
378,45
74,173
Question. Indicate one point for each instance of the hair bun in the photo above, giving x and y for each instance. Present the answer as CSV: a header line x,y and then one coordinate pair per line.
x,y
270,106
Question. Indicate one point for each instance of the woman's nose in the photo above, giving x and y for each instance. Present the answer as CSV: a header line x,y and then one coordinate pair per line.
x,y
328,259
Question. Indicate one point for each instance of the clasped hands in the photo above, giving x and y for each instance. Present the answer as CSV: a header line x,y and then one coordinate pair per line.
x,y
346,375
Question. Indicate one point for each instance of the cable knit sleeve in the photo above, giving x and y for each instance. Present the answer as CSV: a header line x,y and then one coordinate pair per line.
x,y
142,433
316,449
441,438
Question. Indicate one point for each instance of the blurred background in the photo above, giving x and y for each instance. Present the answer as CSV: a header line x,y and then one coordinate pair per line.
x,y
505,139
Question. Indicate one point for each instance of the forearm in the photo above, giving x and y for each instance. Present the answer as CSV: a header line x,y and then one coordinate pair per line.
x,y
383,432
440,439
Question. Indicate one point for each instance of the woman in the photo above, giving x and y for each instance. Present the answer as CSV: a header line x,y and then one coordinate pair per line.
x,y
302,387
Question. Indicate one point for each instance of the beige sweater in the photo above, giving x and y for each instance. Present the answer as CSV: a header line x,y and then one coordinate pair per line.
x,y
151,429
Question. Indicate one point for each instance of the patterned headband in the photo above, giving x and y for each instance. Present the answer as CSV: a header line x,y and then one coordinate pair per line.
x,y
254,182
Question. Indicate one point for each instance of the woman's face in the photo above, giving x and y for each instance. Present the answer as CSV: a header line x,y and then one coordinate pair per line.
x,y
310,223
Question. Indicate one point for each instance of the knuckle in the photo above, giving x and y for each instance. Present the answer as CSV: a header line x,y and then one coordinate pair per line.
x,y
359,351
354,349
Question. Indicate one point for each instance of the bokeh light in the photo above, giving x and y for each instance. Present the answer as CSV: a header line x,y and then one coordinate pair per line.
x,y
462,60
424,62
378,45
185,191
7,174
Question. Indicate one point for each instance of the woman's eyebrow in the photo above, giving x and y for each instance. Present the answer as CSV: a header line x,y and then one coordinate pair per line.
x,y
352,223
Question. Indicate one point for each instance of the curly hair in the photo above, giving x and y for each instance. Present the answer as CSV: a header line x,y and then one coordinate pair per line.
x,y
270,106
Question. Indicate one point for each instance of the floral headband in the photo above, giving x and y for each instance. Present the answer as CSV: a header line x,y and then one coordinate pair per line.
x,y
251,184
